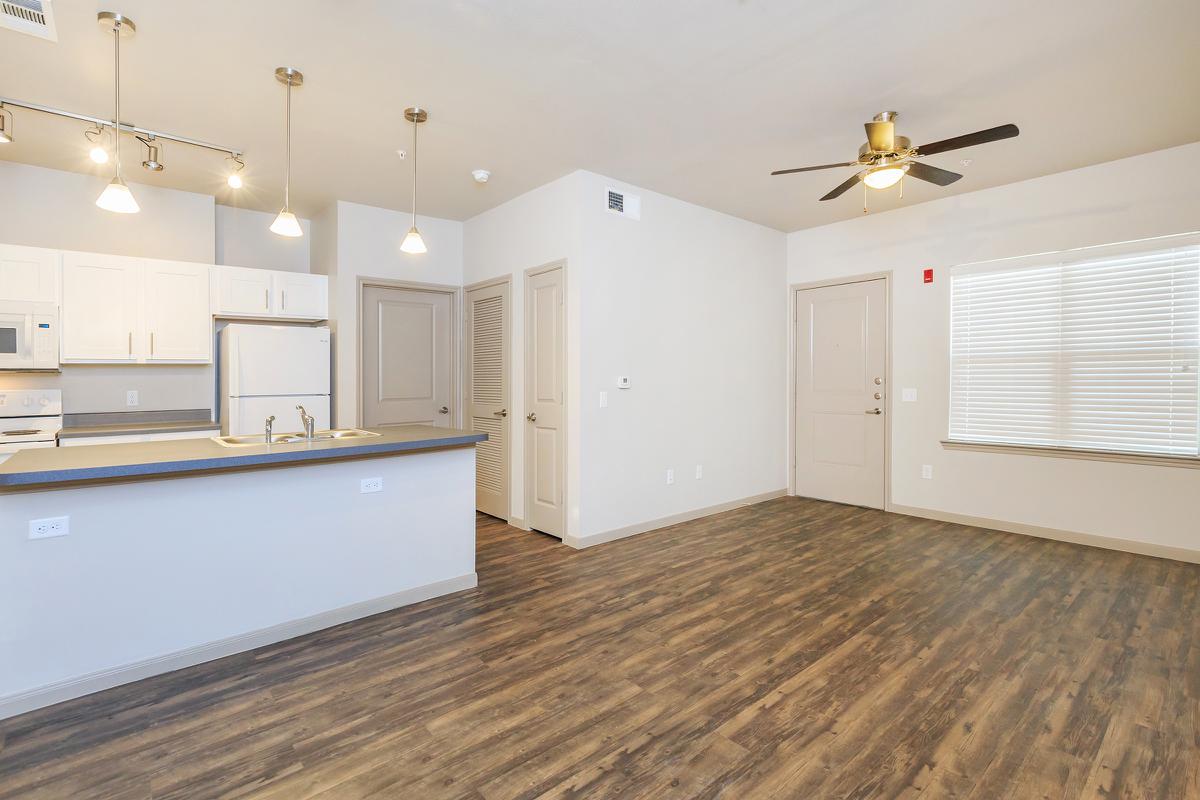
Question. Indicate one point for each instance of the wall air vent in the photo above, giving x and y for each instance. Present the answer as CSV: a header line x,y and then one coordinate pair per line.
x,y
623,203
35,17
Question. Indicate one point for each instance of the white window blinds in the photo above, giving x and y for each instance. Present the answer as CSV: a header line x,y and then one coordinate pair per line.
x,y
1095,349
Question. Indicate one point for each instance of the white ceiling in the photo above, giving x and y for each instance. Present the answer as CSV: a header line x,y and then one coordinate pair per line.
x,y
698,99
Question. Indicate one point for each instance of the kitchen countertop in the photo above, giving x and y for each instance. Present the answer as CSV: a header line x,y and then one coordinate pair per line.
x,y
46,467
134,428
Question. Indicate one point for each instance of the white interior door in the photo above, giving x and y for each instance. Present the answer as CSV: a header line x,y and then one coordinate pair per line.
x,y
406,357
487,311
545,433
841,393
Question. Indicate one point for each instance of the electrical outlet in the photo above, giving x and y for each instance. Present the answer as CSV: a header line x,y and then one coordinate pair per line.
x,y
699,470
131,398
927,471
49,527
369,485
670,477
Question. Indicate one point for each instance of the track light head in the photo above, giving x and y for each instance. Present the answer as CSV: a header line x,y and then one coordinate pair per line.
x,y
151,164
235,171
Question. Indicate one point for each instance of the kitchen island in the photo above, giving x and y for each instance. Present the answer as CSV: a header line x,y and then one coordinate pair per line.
x,y
178,552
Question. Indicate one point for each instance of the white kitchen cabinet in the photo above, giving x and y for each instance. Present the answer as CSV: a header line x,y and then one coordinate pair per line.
x,y
77,441
247,293
119,309
29,274
178,322
101,308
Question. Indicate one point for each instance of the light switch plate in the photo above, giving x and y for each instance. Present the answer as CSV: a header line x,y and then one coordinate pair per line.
x,y
699,470
908,395
927,471
670,477
623,382
604,399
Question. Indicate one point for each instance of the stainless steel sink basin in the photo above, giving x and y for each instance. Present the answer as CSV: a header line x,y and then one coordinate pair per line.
x,y
253,439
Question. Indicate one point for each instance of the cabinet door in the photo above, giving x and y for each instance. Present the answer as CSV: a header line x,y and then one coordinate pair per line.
x,y
301,295
243,292
101,304
29,274
178,321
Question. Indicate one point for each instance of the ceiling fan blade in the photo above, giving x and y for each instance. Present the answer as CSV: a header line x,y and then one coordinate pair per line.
x,y
843,186
810,169
970,139
924,172
881,136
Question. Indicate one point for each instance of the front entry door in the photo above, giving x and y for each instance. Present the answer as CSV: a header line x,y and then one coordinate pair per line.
x,y
841,392
545,434
406,357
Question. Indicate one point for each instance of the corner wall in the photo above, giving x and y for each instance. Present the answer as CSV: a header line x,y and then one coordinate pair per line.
x,y
1147,195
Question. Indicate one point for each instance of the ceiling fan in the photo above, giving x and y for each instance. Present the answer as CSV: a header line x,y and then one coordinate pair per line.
x,y
886,157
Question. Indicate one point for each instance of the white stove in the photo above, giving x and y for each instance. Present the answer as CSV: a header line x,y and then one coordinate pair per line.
x,y
29,418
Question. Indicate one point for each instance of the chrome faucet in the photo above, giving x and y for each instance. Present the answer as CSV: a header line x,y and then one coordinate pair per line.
x,y
308,422
270,421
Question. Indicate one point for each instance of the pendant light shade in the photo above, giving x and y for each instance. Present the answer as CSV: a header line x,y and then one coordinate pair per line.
x,y
285,223
116,197
413,243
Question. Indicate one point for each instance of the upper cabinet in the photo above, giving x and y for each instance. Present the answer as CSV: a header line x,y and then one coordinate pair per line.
x,y
118,309
29,274
269,294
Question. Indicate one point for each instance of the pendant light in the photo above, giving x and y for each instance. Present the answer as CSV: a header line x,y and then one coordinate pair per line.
x,y
116,196
413,243
286,223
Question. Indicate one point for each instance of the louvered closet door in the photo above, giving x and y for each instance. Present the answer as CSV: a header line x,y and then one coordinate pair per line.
x,y
487,394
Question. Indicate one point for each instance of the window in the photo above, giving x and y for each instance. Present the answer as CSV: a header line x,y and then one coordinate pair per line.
x,y
1094,349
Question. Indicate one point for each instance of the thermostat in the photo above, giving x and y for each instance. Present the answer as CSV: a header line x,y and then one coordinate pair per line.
x,y
623,382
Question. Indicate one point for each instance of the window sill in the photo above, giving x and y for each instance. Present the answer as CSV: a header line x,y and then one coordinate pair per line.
x,y
1187,462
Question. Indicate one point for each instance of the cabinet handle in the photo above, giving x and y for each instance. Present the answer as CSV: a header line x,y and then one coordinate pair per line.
x,y
284,295
131,343
151,342
266,299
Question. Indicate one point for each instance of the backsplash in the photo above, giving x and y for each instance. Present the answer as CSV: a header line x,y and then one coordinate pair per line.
x,y
103,388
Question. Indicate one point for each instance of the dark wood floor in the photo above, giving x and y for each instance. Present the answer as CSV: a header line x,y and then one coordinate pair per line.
x,y
790,649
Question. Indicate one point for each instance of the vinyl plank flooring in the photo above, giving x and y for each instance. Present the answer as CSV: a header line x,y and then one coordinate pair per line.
x,y
790,649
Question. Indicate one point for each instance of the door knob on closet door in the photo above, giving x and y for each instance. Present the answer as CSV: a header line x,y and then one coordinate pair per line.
x,y
875,411
443,410
532,417
501,413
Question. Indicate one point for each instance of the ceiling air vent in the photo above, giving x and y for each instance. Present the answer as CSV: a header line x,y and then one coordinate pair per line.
x,y
627,205
35,17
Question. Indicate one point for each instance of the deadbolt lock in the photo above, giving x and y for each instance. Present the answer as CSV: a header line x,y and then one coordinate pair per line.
x,y
878,396
879,381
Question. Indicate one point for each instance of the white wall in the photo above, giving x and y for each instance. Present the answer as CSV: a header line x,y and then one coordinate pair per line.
x,y
244,239
1148,195
367,245
691,304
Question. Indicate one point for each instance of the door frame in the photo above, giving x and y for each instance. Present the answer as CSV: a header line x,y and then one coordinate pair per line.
x,y
793,304
508,332
526,346
456,359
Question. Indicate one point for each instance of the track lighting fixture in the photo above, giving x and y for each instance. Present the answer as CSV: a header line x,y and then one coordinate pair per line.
x,y
5,130
413,243
116,196
235,172
95,135
286,223
151,164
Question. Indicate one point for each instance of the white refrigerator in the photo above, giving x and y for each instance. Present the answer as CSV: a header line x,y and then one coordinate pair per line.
x,y
268,370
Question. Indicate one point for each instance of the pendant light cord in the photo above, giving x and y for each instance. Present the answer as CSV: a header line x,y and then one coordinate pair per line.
x,y
287,175
117,110
414,202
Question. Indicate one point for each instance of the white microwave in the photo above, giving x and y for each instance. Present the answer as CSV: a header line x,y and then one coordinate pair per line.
x,y
28,335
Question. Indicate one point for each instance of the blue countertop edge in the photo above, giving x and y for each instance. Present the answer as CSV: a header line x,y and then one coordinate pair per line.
x,y
225,462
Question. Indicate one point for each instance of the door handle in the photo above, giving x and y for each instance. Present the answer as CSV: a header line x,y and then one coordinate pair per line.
x,y
531,416
501,413
875,411
443,410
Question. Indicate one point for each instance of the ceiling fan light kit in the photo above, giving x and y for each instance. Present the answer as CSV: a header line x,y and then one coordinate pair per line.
x,y
886,159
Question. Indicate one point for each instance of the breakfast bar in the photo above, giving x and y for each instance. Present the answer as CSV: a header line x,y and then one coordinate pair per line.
x,y
127,560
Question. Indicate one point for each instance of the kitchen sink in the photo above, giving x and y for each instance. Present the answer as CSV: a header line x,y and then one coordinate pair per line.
x,y
252,439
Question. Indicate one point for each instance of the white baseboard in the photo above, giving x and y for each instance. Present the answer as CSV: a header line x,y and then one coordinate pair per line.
x,y
1074,537
580,542
59,691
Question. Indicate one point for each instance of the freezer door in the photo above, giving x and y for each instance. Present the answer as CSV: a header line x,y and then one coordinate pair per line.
x,y
249,414
275,360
